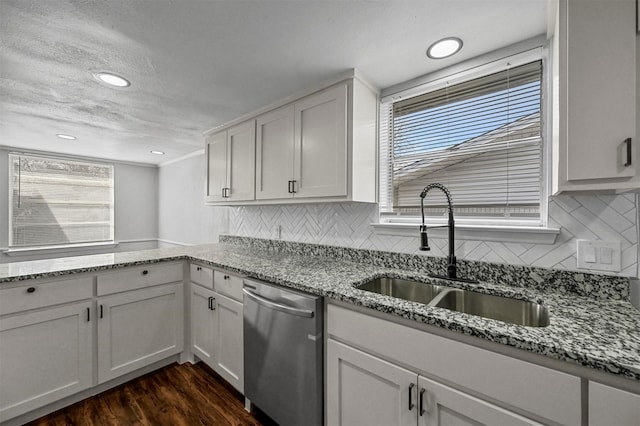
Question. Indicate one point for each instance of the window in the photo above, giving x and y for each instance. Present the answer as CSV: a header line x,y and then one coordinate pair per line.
x,y
480,137
57,202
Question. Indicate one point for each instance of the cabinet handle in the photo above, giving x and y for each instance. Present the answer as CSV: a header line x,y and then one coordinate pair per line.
x,y
226,192
422,410
88,314
411,404
145,272
210,301
101,313
289,187
213,303
223,192
627,143
293,186
31,290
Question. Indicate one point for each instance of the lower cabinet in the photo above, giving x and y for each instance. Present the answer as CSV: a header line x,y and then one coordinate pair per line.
x,y
138,328
216,333
364,389
382,372
611,406
45,355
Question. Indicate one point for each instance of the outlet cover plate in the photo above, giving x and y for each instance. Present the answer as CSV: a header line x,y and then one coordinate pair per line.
x,y
599,255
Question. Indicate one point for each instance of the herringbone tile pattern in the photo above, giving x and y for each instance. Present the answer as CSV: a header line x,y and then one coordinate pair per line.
x,y
605,217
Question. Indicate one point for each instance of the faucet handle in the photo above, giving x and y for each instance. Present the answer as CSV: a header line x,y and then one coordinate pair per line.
x,y
424,240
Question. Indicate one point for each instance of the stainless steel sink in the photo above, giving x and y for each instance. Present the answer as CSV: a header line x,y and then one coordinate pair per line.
x,y
403,289
505,309
514,311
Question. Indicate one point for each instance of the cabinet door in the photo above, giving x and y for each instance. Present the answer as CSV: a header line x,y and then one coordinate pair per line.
x,y
44,356
138,328
611,406
274,154
320,154
228,345
441,405
601,87
216,148
201,321
241,161
365,390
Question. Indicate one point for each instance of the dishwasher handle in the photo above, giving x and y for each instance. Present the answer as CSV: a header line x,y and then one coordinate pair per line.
x,y
277,306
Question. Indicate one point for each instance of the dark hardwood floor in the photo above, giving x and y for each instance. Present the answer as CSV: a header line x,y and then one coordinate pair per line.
x,y
184,394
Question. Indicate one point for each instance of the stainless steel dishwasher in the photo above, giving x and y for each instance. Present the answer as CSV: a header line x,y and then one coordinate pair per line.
x,y
283,353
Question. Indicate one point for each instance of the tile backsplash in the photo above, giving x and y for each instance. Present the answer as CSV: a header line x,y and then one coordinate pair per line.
x,y
603,217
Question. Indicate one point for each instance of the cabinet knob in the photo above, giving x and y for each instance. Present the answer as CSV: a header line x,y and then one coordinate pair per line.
x,y
145,272
226,277
199,268
31,290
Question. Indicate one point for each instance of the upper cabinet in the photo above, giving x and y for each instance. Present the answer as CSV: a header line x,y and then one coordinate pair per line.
x,y
230,164
315,148
301,149
595,96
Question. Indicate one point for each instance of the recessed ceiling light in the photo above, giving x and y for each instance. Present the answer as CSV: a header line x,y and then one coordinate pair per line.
x,y
66,137
444,48
112,79
158,152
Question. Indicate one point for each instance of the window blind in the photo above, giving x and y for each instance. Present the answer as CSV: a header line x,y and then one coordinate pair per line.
x,y
59,201
480,138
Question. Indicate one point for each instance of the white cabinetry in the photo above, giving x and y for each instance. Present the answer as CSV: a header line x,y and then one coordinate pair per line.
x,y
451,381
440,405
216,325
274,154
231,164
611,406
364,389
138,328
596,96
46,351
316,148
320,149
140,317
202,318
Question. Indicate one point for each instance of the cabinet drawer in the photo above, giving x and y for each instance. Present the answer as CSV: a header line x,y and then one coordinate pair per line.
x,y
202,275
44,294
139,277
548,393
227,284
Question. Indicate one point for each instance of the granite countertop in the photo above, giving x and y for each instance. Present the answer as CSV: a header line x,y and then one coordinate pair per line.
x,y
601,333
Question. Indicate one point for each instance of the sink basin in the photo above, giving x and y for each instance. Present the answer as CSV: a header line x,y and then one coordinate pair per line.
x,y
403,289
505,309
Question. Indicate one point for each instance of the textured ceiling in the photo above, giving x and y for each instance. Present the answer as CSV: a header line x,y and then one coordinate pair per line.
x,y
195,64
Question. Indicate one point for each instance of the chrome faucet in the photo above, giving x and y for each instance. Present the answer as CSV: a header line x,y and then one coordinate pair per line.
x,y
452,269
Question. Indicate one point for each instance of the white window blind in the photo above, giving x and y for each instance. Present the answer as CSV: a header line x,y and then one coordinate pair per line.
x,y
59,202
480,138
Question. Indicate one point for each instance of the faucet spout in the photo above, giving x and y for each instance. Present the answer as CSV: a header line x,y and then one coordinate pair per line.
x,y
424,242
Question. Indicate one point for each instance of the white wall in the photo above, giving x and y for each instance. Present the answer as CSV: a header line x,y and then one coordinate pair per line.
x,y
136,211
183,216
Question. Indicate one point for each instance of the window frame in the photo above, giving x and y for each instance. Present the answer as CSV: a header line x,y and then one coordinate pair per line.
x,y
398,224
19,249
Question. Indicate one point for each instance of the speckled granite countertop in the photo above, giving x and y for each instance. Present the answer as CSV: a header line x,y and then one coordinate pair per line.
x,y
594,331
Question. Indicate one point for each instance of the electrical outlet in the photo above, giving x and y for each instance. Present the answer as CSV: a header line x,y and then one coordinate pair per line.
x,y
599,255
